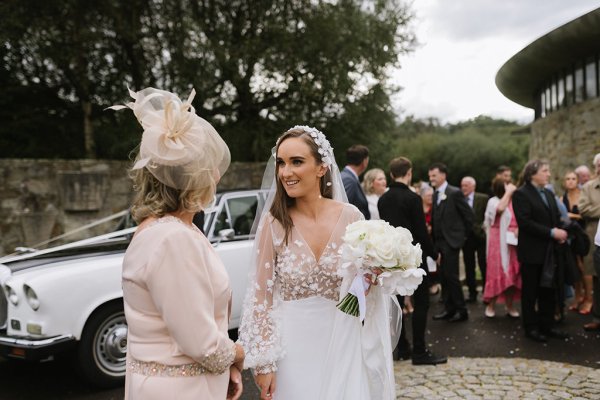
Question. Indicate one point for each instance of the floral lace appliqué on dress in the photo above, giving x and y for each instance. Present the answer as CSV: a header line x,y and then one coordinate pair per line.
x,y
301,276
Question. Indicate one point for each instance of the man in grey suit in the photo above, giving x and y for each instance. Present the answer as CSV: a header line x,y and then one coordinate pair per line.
x,y
451,221
357,157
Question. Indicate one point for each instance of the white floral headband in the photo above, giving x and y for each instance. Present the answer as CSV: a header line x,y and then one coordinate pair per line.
x,y
325,149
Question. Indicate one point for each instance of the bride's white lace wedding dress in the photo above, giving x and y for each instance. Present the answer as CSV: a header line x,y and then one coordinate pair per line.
x,y
291,325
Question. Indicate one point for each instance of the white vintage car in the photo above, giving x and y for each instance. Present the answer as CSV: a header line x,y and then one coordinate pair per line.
x,y
68,299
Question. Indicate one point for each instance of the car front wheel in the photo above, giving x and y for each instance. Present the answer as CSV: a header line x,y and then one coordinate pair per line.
x,y
103,346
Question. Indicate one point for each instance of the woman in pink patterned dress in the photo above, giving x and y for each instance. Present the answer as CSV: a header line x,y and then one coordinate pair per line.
x,y
503,276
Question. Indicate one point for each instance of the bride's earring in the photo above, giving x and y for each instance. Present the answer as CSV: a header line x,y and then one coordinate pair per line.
x,y
320,196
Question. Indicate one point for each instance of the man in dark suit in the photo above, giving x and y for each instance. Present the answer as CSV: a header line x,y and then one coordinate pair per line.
x,y
475,242
451,221
539,237
400,206
357,157
502,172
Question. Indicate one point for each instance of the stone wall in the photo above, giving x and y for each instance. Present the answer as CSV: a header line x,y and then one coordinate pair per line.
x,y
40,199
567,138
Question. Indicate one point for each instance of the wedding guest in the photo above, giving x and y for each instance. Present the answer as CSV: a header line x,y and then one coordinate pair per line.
x,y
300,345
357,157
564,278
416,187
427,197
503,172
451,221
594,326
374,185
176,290
583,175
426,193
474,247
399,206
583,288
589,208
538,250
503,280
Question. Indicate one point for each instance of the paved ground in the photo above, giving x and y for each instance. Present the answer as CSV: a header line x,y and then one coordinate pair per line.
x,y
491,359
498,379
504,337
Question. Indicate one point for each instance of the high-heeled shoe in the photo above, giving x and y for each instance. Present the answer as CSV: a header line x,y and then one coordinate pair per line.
x,y
512,313
575,306
586,310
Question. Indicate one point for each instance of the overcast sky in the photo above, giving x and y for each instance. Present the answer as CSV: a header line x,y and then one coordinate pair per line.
x,y
463,43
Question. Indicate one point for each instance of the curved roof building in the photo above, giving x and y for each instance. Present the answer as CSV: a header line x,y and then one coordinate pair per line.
x,y
557,76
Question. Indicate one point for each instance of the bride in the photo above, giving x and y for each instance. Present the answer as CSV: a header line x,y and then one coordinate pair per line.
x,y
296,340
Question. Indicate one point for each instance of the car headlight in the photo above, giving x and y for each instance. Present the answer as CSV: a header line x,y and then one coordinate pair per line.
x,y
31,297
12,295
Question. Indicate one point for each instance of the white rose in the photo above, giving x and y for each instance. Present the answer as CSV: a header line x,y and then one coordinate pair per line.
x,y
384,251
409,281
355,233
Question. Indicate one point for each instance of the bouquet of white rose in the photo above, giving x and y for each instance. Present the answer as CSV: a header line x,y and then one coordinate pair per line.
x,y
375,244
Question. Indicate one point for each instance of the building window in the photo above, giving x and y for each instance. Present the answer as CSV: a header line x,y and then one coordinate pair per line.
x,y
542,104
554,97
572,85
579,85
591,88
569,95
561,93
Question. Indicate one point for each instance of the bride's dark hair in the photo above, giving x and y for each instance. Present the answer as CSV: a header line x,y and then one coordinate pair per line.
x,y
282,202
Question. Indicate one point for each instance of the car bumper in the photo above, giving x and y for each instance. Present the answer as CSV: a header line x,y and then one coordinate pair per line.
x,y
34,349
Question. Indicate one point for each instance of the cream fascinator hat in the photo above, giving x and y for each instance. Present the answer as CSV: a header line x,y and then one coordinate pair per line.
x,y
180,149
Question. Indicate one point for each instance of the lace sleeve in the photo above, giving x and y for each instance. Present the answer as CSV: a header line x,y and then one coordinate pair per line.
x,y
260,330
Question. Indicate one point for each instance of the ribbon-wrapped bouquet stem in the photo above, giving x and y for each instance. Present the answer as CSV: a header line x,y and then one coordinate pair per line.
x,y
371,247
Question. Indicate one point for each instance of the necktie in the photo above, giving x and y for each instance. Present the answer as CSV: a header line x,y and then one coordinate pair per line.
x,y
544,199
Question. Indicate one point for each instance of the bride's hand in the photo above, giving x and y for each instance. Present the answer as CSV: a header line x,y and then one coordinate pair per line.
x,y
266,383
240,355
372,280
235,384
369,276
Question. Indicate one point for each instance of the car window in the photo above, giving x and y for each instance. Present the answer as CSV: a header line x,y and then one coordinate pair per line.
x,y
237,214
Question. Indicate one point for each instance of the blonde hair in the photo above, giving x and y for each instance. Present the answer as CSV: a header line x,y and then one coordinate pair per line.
x,y
369,178
570,172
155,199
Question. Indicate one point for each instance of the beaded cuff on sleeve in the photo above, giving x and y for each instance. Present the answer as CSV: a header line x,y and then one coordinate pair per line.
x,y
219,361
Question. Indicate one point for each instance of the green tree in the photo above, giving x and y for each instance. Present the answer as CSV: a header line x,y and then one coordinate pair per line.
x,y
258,67
475,148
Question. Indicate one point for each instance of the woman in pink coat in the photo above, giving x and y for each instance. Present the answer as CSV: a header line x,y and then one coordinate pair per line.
x,y
176,291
